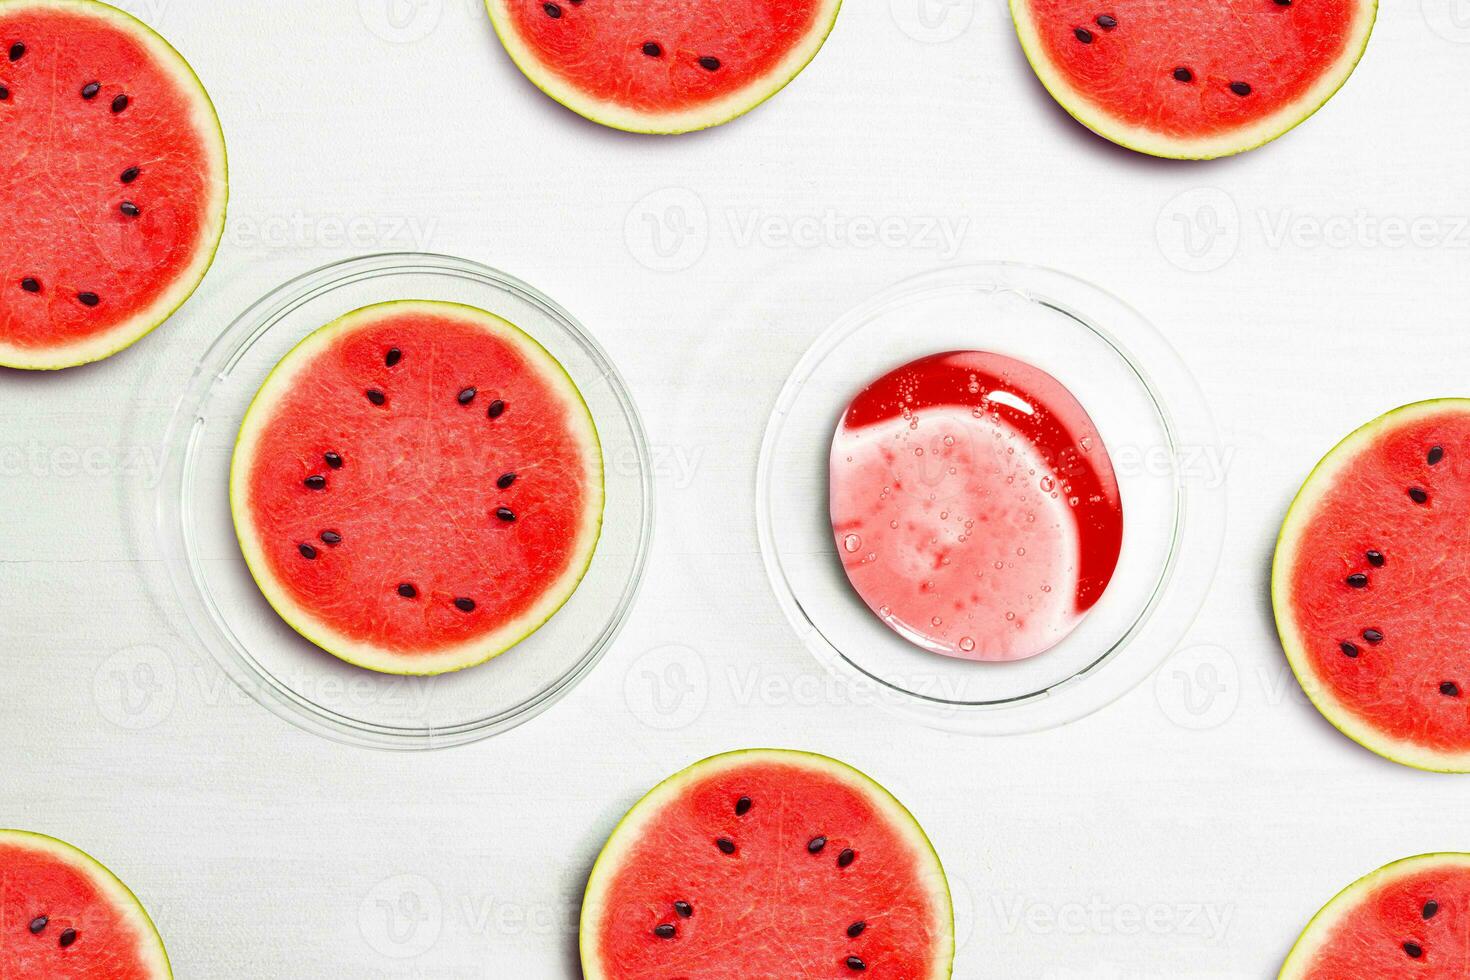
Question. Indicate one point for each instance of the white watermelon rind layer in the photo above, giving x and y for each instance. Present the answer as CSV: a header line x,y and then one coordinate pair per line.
x,y
151,954
130,331
1143,140
607,113
1321,480
1322,926
630,829
481,648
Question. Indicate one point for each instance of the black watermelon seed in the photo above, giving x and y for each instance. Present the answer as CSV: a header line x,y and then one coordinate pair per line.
x,y
653,50
552,10
4,94
38,924
505,514
67,937
1183,74
1107,21
1431,908
464,605
307,551
1372,636
393,357
1418,496
684,909
856,965
856,929
847,856
742,806
120,103
709,64
17,51
1240,88
815,845
726,845
90,90
496,409
30,285
1349,649
1449,689
1375,558
1435,455
664,931
1283,3
316,482
407,591
331,537
505,481
88,299
1414,950
1358,580
1083,35
376,397
334,460
129,175
130,209
467,395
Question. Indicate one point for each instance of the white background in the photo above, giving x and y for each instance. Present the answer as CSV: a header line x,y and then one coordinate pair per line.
x,y
1188,830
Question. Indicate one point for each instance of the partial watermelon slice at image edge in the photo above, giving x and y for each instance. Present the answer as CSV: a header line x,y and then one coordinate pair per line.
x,y
627,835
1087,110
549,80
1335,919
150,959
481,648
128,332
1318,483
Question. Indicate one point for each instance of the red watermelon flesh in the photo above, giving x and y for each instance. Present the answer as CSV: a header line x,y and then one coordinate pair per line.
x,y
1368,585
1410,919
114,171
767,863
63,916
417,487
974,505
662,66
1193,79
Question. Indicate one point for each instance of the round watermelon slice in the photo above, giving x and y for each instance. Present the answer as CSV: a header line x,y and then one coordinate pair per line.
x,y
114,169
662,68
63,916
1193,80
1408,919
767,863
1367,585
417,487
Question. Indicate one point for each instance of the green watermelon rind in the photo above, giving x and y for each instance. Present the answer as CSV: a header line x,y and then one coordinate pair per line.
x,y
124,902
614,116
1139,139
1318,482
129,332
648,807
480,649
1320,928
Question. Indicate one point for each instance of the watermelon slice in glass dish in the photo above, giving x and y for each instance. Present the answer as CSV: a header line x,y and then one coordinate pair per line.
x,y
115,171
662,68
1193,80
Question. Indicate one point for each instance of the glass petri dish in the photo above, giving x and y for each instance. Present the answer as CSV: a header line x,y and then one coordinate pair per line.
x,y
286,673
1152,418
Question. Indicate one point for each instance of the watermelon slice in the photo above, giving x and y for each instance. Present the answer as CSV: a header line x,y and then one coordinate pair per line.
x,y
63,916
1367,585
417,487
975,509
767,863
1408,919
662,68
114,169
1193,80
